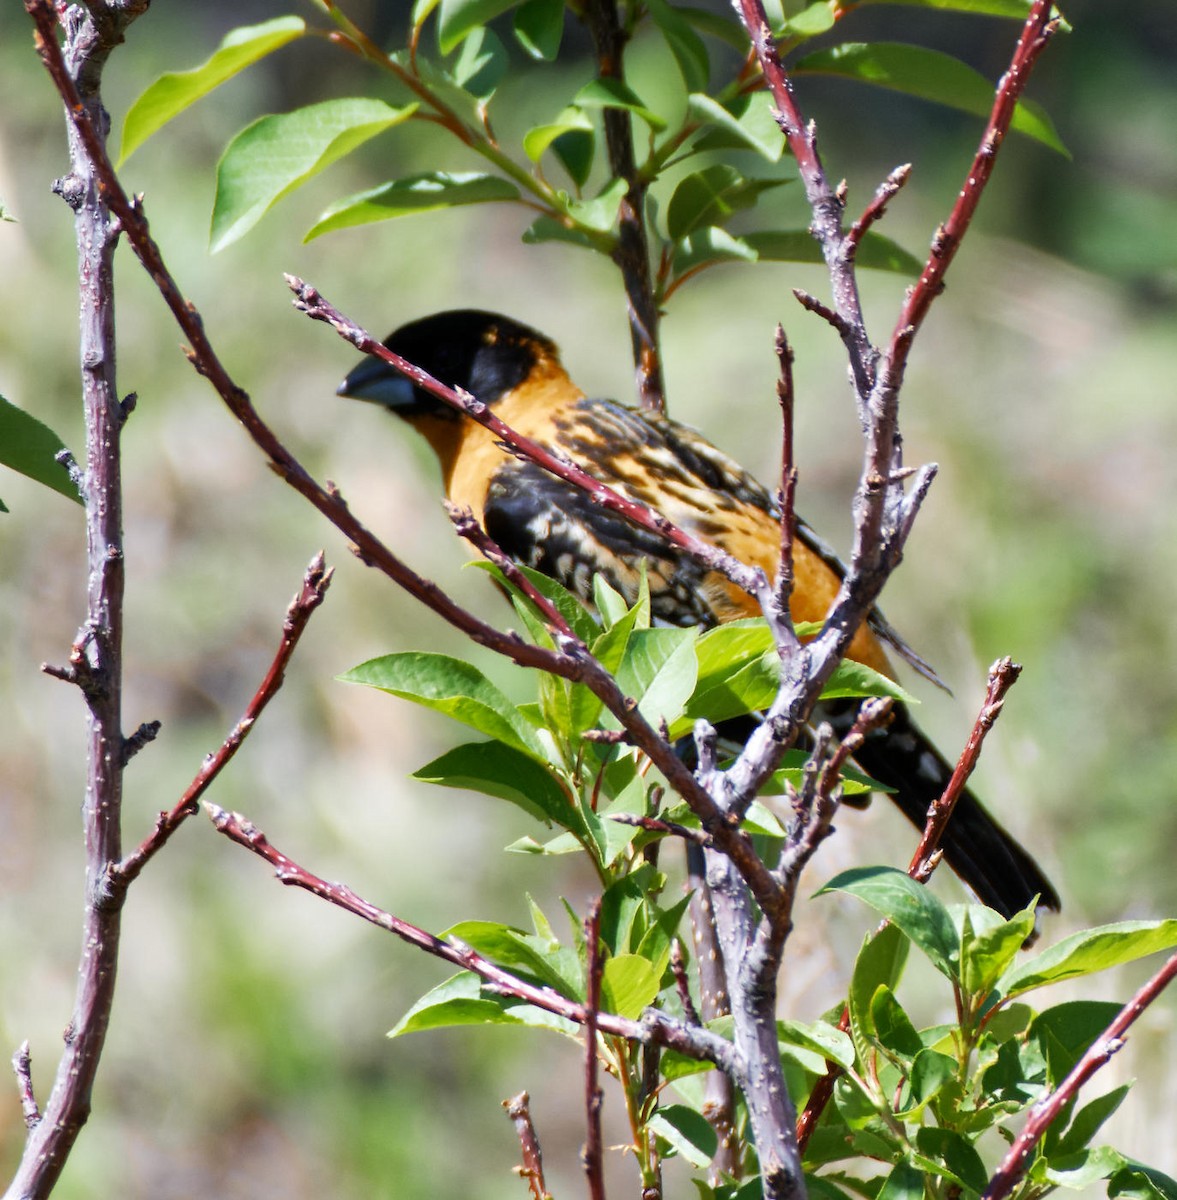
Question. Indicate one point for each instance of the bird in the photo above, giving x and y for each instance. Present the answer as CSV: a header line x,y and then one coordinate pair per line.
x,y
553,526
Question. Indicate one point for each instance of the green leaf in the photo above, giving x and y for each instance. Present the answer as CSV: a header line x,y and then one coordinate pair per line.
x,y
537,140
497,769
854,679
599,215
612,93
450,686
825,1041
953,1155
1064,1033
1087,1121
481,64
29,447
797,245
658,671
809,22
1080,1170
904,1183
576,150
879,964
710,196
460,1001
1138,1182
928,74
629,984
276,154
989,945
551,964
893,1028
930,1071
1089,951
552,229
539,28
907,904
747,122
709,245
688,48
458,18
687,1132
170,94
425,192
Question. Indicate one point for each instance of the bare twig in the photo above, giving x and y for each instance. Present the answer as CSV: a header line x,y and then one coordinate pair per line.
x,y
655,1026
468,528
519,1110
657,825
593,1156
884,194
1044,1113
1003,674
91,34
22,1066
315,582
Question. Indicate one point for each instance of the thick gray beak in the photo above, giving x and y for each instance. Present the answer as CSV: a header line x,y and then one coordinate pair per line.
x,y
376,381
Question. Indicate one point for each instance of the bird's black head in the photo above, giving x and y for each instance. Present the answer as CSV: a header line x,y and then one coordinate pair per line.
x,y
484,353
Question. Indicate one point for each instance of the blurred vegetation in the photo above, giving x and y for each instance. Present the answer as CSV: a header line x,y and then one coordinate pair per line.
x,y
247,1055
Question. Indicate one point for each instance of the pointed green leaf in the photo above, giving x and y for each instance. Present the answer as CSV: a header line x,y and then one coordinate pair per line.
x,y
928,74
852,679
539,28
1077,1172
904,1183
612,93
1138,1182
710,196
709,245
629,984
276,154
687,1132
747,122
909,905
930,1072
537,140
1087,1122
29,447
450,686
893,1028
953,1155
458,18
460,1001
688,48
170,94
659,671
556,966
414,194
481,64
827,1042
809,22
879,964
497,769
1088,951
989,945
551,229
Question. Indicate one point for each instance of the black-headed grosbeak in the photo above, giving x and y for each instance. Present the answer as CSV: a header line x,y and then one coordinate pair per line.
x,y
553,526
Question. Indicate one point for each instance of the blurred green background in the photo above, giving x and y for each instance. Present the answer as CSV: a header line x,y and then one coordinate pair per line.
x,y
247,1054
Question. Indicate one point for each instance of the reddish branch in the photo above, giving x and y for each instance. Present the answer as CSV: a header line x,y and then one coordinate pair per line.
x,y
532,1169
654,1027
1110,1042
1003,674
314,588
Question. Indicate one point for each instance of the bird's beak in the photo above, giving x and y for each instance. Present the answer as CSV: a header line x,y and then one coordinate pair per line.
x,y
373,379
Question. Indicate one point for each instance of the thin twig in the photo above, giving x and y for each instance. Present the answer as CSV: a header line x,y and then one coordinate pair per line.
x,y
22,1066
654,1026
519,1110
315,582
469,528
1043,1114
593,1157
1003,674
657,825
884,194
